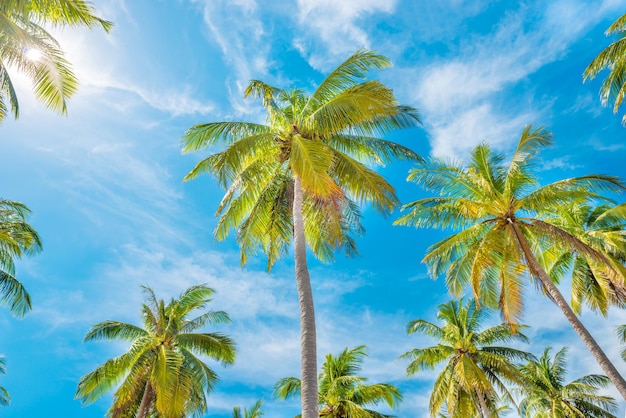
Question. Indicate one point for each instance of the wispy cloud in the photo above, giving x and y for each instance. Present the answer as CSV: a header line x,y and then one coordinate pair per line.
x,y
334,28
462,97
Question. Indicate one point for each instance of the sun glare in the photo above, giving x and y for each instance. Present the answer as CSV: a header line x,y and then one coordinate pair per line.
x,y
33,54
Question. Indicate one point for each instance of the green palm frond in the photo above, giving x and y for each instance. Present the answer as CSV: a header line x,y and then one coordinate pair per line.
x,y
111,330
21,25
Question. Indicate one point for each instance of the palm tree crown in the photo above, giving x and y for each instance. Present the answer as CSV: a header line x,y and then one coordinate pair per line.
x,y
342,393
476,370
613,58
506,223
546,395
17,238
22,31
160,374
254,412
302,174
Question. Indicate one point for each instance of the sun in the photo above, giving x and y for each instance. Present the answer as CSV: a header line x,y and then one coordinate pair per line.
x,y
33,54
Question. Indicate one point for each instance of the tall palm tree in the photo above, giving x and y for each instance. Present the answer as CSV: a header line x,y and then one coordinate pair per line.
x,y
546,395
254,412
300,175
342,393
593,284
613,58
160,374
26,46
17,238
476,370
504,220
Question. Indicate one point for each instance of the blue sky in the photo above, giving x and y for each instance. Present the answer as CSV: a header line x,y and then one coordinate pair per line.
x,y
105,183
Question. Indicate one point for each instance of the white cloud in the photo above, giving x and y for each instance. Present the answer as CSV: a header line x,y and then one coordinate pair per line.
x,y
463,98
336,25
237,28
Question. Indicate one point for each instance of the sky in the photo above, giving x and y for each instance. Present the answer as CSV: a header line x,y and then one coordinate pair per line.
x,y
104,183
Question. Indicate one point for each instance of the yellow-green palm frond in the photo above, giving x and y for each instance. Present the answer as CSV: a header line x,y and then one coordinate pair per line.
x,y
56,12
363,184
199,137
350,73
612,58
311,160
519,176
371,150
369,108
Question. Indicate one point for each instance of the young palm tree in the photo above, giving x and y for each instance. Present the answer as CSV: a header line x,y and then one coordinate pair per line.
x,y
593,284
546,395
342,393
505,224
160,374
254,412
476,371
26,46
612,58
17,238
300,175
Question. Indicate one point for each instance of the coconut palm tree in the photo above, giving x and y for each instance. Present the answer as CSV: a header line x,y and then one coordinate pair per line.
x,y
254,412
160,374
26,46
300,175
476,371
342,393
602,227
613,58
546,395
17,238
505,222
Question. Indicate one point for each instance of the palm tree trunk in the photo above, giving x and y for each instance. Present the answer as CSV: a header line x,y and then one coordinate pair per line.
x,y
307,313
146,401
484,410
556,296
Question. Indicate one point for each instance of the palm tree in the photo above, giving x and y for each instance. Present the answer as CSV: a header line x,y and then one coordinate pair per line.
x,y
476,371
5,399
26,46
17,238
160,373
505,223
254,412
593,283
613,58
546,395
342,393
300,175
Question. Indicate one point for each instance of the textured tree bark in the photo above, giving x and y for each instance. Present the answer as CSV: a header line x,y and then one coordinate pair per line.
x,y
146,400
554,292
307,313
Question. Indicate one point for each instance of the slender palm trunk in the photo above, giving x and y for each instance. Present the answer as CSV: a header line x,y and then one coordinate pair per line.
x,y
554,292
307,313
146,401
484,410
